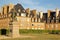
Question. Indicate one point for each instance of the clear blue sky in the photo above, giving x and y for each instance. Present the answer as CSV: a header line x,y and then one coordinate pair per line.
x,y
41,5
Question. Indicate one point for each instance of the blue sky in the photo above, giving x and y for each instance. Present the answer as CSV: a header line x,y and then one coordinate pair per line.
x,y
40,5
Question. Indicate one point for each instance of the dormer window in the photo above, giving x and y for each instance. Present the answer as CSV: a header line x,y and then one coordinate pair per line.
x,y
19,10
17,14
23,14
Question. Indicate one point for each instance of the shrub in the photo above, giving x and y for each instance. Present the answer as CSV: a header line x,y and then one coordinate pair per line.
x,y
23,31
54,31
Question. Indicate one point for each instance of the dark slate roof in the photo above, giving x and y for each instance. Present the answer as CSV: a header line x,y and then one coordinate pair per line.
x,y
19,6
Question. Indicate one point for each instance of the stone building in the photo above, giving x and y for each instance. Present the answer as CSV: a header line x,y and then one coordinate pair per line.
x,y
15,17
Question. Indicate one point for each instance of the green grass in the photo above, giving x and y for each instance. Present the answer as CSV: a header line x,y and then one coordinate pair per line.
x,y
37,35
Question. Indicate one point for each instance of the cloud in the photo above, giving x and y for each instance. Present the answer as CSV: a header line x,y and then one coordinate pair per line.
x,y
29,2
40,5
33,5
40,8
37,4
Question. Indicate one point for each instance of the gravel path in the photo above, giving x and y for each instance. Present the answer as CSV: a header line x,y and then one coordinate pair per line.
x,y
21,36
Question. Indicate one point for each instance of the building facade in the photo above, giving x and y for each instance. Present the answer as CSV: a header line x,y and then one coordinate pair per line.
x,y
28,19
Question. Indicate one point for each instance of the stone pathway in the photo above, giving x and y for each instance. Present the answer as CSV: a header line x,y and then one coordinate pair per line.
x,y
4,37
21,36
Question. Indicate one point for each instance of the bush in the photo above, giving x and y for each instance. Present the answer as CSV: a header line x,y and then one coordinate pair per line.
x,y
54,31
23,31
0,32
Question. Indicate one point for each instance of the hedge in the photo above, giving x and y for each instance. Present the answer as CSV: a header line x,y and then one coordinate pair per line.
x,y
25,31
30,31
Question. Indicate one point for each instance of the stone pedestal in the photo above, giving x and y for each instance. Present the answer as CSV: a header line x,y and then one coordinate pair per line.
x,y
15,32
15,29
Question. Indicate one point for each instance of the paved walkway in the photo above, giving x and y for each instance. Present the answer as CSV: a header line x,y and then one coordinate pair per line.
x,y
7,37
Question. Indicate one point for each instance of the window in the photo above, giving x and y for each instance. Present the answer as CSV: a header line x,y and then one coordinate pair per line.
x,y
28,20
38,28
17,14
19,10
32,24
27,27
23,14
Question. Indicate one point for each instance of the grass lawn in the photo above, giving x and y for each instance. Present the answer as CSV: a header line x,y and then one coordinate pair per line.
x,y
38,37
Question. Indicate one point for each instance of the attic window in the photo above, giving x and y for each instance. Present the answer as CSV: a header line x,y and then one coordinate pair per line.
x,y
23,10
19,10
23,14
32,24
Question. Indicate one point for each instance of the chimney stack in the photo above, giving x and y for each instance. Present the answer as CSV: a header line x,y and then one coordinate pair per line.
x,y
34,12
28,10
5,10
49,13
41,14
10,7
1,10
38,19
57,12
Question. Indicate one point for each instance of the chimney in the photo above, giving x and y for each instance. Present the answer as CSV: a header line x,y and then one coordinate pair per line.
x,y
1,10
38,19
10,6
4,9
34,12
28,10
41,14
57,12
49,13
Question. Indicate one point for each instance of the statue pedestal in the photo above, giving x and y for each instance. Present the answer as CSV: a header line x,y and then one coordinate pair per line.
x,y
15,30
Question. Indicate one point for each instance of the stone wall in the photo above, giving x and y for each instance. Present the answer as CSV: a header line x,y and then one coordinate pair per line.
x,y
4,23
53,26
40,26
